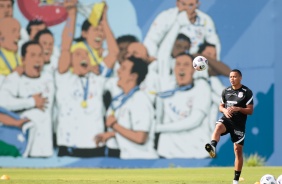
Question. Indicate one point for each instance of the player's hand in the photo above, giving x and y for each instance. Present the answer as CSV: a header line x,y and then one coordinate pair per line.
x,y
102,138
69,4
227,112
235,109
139,50
111,120
40,102
104,16
20,122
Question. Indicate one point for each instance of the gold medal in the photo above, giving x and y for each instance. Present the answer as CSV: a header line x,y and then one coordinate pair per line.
x,y
83,104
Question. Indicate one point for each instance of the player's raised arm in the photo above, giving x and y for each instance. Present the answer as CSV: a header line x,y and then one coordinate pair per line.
x,y
67,36
111,58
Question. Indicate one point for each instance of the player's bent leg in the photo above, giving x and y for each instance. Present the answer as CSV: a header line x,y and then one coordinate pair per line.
x,y
219,129
210,147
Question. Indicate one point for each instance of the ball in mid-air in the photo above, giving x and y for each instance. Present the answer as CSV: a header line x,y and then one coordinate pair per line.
x,y
267,179
200,63
279,179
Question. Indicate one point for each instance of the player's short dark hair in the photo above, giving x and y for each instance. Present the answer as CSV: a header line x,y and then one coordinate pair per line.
x,y
186,54
84,27
181,36
42,32
127,38
12,1
34,22
204,45
140,67
238,71
26,45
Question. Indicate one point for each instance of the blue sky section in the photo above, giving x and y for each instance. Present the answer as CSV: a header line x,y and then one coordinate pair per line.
x,y
232,18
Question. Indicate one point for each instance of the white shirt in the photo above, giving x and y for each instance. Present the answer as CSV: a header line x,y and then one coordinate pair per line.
x,y
16,95
184,128
136,114
77,126
202,29
2,78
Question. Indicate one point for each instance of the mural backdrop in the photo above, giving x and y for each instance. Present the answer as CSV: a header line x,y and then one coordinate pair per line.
x,y
111,83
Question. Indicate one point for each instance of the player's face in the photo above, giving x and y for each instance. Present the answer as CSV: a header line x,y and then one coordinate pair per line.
x,y
94,36
188,5
124,74
47,43
35,29
80,61
33,60
180,46
183,70
10,34
210,52
235,79
6,8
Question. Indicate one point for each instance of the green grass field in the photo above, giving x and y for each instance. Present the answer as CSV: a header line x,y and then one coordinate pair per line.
x,y
211,175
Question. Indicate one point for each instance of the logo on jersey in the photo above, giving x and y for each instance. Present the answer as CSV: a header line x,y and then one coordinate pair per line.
x,y
230,103
240,94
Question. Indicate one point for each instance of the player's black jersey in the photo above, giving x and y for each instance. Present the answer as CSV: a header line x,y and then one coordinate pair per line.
x,y
238,98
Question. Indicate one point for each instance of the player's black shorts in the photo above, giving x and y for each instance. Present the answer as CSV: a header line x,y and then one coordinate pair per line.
x,y
237,133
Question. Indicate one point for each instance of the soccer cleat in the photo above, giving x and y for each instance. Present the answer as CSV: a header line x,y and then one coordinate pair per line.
x,y
210,149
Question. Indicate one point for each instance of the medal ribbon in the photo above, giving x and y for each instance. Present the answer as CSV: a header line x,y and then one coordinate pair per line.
x,y
91,52
6,61
170,93
85,88
101,68
124,98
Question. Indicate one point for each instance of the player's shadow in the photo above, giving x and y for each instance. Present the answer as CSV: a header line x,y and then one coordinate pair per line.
x,y
259,132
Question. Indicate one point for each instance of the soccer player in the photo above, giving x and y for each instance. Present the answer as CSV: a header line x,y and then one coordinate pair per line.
x,y
9,37
31,94
236,104
6,8
133,127
79,97
93,36
186,103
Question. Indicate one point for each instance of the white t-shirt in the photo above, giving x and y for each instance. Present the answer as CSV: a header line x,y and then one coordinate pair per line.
x,y
16,95
136,114
202,29
184,128
2,78
77,126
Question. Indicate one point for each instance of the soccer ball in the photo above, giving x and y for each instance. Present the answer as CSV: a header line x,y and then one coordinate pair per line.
x,y
279,179
267,179
200,63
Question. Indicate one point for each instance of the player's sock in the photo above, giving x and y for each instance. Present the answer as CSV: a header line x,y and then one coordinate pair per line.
x,y
237,175
214,143
235,182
